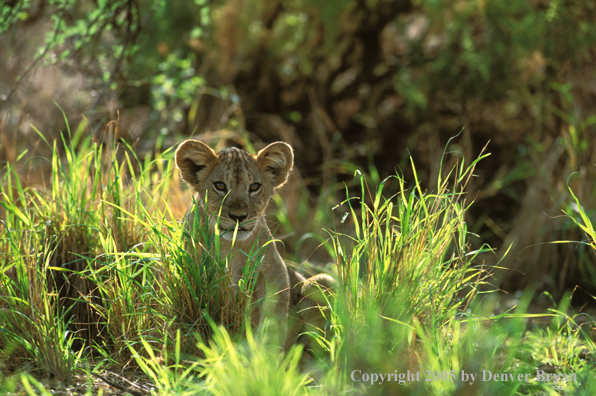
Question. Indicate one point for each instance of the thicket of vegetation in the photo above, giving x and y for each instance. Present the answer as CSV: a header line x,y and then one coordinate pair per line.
x,y
93,272
350,82
98,275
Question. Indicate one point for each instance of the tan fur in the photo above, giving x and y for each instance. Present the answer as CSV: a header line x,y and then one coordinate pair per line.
x,y
203,170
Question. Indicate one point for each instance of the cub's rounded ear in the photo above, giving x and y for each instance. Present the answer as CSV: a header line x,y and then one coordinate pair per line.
x,y
277,160
194,158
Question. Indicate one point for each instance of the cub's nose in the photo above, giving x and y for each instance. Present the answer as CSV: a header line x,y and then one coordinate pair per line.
x,y
238,218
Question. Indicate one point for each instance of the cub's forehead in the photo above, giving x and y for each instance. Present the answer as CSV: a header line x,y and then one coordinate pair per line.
x,y
235,162
235,156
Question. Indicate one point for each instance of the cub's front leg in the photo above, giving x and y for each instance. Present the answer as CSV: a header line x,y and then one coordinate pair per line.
x,y
272,292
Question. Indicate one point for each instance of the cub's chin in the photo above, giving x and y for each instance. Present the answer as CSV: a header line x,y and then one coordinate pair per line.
x,y
241,235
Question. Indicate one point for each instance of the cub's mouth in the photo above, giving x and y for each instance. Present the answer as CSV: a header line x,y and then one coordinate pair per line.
x,y
231,229
244,230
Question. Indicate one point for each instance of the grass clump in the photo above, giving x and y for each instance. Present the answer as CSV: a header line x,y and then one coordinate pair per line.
x,y
406,277
32,319
193,285
251,367
414,251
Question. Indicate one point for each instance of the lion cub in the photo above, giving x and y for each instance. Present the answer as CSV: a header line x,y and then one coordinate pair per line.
x,y
238,186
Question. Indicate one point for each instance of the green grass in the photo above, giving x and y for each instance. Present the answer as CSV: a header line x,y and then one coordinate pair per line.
x,y
98,274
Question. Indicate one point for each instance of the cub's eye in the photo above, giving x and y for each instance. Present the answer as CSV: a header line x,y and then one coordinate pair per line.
x,y
220,186
254,187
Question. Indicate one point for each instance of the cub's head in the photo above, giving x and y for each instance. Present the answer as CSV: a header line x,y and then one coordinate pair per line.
x,y
239,182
